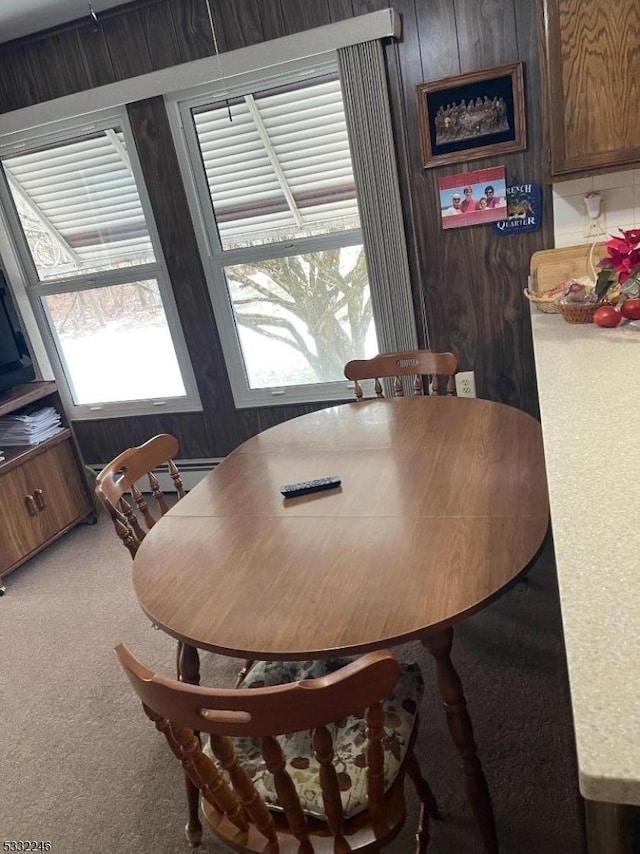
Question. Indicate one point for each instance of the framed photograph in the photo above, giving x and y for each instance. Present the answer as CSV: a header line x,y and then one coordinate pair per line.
x,y
473,198
472,115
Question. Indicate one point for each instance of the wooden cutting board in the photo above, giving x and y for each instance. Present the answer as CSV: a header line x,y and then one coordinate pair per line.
x,y
549,267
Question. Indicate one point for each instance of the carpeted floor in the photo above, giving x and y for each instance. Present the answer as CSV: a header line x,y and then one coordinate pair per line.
x,y
82,766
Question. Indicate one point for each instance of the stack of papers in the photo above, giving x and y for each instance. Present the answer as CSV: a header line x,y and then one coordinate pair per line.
x,y
30,427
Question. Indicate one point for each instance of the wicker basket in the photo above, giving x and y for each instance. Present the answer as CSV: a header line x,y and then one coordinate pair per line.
x,y
579,312
544,305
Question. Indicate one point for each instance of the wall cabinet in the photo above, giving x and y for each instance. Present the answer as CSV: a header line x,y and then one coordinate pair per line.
x,y
43,490
591,62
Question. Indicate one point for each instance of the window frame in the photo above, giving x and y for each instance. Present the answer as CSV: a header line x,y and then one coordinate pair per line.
x,y
49,135
215,258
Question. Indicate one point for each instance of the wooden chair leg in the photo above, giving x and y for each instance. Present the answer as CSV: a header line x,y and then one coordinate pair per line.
x,y
422,834
423,789
450,687
189,671
193,827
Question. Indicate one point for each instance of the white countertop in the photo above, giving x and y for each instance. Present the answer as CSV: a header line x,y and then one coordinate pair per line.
x,y
589,389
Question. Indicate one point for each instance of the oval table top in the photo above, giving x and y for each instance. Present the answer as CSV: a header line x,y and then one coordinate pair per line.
x,y
443,503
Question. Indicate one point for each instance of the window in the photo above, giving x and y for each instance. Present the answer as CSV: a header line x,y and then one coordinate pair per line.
x,y
280,233
95,274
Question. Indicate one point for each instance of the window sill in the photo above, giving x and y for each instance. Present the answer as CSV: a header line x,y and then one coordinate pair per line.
x,y
132,409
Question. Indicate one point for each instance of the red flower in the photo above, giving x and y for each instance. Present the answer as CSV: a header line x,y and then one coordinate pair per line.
x,y
623,254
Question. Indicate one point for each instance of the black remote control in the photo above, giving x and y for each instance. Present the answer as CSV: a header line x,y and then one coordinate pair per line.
x,y
292,490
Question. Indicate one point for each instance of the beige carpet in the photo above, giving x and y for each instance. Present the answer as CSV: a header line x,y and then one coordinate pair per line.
x,y
81,765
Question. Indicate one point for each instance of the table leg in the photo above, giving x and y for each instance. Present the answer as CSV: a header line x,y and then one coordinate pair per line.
x,y
461,729
610,827
189,671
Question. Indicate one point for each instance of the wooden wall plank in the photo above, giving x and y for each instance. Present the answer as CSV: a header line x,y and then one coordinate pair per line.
x,y
58,64
95,55
127,45
160,34
241,23
448,303
362,7
486,33
439,51
304,16
273,25
193,32
340,9
102,440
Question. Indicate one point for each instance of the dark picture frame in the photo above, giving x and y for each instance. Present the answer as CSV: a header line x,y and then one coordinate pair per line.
x,y
478,114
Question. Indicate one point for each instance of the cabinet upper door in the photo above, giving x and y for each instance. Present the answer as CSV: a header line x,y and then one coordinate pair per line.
x,y
593,73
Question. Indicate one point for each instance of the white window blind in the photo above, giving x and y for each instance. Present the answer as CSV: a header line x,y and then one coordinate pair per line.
x,y
95,275
82,195
279,166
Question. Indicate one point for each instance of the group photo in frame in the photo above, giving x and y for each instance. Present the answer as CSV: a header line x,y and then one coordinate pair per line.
x,y
478,114
473,198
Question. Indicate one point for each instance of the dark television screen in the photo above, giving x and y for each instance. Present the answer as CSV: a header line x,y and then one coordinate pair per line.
x,y
15,362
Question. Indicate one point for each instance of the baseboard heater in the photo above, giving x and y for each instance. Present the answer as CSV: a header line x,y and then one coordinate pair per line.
x,y
191,472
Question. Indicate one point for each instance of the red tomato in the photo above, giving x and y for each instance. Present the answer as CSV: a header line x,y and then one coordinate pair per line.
x,y
606,315
631,309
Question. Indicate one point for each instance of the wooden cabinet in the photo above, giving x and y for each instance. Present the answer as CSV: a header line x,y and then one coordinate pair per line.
x,y
43,491
591,61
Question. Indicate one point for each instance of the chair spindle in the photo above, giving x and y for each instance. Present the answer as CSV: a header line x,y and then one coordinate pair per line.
x,y
187,748
375,756
132,519
257,810
142,506
286,790
177,480
125,533
154,485
323,749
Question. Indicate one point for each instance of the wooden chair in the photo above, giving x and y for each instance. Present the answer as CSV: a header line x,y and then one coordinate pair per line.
x,y
120,477
415,363
263,805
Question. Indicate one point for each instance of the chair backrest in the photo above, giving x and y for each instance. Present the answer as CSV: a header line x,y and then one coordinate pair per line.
x,y
120,476
415,363
180,710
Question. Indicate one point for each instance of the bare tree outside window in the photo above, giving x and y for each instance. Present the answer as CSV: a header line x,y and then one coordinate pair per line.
x,y
317,305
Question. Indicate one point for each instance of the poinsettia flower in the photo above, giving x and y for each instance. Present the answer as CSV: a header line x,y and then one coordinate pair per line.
x,y
623,256
617,244
632,235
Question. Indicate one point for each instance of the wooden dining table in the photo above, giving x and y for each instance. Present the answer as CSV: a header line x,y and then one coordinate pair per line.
x,y
442,505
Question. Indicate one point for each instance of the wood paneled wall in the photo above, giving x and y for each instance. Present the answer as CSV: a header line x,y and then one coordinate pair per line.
x,y
467,282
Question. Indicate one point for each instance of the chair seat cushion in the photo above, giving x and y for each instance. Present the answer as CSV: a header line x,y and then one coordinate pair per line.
x,y
349,739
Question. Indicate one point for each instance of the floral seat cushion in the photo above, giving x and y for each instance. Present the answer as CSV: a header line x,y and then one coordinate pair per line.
x,y
349,739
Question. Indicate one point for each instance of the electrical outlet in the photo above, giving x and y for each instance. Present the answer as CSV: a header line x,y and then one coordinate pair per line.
x,y
466,384
594,221
595,227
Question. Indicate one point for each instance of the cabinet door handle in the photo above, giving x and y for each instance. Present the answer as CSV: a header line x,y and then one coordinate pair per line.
x,y
31,505
38,496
